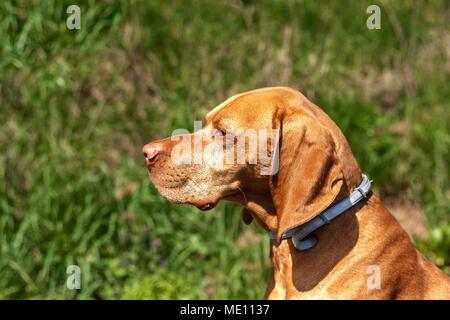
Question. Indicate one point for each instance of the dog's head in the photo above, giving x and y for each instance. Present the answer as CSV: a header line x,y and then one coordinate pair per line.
x,y
268,148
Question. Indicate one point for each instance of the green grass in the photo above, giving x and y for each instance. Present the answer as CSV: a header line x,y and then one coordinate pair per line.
x,y
76,107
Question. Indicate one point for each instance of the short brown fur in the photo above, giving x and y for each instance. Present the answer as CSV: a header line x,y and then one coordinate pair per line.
x,y
316,169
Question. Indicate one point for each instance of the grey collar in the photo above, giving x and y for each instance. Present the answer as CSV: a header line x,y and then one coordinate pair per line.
x,y
300,235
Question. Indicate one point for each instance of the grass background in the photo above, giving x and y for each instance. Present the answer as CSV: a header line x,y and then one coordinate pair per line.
x,y
76,107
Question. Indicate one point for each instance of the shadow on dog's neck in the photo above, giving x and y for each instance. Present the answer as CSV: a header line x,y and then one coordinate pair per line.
x,y
262,208
302,271
306,268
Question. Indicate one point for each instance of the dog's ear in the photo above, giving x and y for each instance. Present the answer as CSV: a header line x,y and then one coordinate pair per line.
x,y
246,216
309,177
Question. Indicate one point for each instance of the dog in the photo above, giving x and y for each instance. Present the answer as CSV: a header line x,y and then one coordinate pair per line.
x,y
363,253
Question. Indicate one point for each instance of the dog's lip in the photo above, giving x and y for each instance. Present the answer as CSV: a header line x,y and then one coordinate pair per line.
x,y
207,206
211,204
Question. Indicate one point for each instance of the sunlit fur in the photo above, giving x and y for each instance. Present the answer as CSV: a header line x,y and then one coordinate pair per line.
x,y
317,168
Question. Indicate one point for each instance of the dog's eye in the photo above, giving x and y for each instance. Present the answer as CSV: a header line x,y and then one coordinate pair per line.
x,y
219,133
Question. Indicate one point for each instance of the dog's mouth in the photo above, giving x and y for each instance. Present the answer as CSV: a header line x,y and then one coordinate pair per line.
x,y
206,206
181,190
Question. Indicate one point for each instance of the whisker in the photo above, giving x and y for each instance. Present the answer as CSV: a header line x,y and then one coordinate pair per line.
x,y
242,191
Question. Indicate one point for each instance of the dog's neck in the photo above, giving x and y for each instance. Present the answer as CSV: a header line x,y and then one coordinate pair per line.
x,y
299,272
263,210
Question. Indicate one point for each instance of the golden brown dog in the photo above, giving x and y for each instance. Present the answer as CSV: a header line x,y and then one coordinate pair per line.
x,y
362,254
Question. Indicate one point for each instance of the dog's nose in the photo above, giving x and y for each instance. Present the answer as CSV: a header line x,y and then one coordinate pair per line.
x,y
150,153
